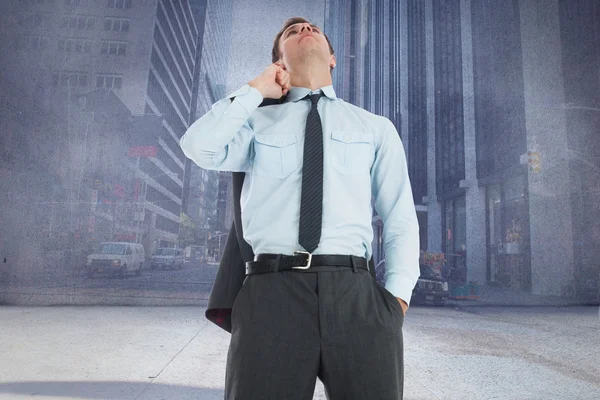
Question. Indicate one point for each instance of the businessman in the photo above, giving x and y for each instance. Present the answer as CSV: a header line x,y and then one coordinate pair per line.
x,y
308,305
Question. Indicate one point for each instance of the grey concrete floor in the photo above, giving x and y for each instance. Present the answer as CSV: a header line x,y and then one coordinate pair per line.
x,y
104,352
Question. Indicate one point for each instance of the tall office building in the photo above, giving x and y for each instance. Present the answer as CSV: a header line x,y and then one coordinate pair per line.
x,y
145,53
371,54
174,64
497,108
210,197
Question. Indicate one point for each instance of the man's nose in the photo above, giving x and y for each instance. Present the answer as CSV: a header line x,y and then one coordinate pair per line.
x,y
307,26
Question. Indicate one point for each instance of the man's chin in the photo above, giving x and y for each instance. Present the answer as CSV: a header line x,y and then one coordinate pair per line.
x,y
308,57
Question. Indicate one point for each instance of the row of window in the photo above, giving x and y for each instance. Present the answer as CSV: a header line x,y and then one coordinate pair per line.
x,y
80,79
88,23
121,4
71,45
82,22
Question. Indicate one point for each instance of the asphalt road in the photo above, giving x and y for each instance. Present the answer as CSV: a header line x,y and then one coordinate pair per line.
x,y
190,285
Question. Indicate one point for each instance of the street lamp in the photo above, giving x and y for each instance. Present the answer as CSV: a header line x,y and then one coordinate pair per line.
x,y
207,227
219,234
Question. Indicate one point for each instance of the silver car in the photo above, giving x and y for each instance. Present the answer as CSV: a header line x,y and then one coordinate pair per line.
x,y
429,287
167,257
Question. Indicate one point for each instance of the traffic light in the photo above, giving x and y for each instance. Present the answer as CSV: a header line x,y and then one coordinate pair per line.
x,y
533,160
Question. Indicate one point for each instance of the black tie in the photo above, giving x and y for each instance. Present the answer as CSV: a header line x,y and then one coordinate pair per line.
x,y
311,203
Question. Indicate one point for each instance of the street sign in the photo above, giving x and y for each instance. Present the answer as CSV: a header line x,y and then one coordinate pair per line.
x,y
142,151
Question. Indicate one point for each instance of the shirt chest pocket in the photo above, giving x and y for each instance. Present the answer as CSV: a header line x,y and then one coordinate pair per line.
x,y
352,153
275,155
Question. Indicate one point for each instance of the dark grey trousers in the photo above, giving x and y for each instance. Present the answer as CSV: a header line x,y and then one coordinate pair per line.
x,y
290,327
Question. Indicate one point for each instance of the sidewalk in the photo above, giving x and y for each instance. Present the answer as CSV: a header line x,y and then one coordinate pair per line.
x,y
173,353
494,296
141,353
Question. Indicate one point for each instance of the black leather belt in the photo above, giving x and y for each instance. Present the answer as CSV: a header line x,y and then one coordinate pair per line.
x,y
302,261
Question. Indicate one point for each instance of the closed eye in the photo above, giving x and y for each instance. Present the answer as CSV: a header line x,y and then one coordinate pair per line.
x,y
294,31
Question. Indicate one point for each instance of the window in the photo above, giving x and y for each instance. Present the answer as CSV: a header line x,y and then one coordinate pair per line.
x,y
78,22
30,20
37,2
69,78
508,234
75,45
79,3
454,238
118,4
109,81
38,43
113,47
31,42
110,248
166,252
116,24
20,42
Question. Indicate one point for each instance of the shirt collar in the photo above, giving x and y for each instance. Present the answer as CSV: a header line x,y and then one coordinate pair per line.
x,y
297,93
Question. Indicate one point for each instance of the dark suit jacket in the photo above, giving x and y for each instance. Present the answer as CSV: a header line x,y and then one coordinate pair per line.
x,y
232,267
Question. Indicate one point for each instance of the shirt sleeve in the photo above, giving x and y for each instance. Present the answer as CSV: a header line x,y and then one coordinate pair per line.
x,y
220,139
394,203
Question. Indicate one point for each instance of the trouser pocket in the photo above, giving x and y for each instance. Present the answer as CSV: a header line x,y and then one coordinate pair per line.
x,y
391,300
240,299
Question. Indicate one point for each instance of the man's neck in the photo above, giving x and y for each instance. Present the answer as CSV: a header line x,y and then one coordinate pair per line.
x,y
312,80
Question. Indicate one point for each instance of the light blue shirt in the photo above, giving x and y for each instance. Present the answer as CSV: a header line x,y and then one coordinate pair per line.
x,y
361,151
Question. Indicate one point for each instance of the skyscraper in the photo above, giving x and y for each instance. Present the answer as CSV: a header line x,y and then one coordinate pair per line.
x,y
144,52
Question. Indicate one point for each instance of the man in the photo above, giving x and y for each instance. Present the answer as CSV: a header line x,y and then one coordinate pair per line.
x,y
309,306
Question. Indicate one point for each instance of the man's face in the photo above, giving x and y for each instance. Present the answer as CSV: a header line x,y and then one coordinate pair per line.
x,y
303,41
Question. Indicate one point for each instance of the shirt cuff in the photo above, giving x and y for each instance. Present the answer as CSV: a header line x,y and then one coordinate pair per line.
x,y
401,287
248,97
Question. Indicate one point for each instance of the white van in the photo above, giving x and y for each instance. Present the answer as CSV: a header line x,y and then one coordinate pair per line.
x,y
116,258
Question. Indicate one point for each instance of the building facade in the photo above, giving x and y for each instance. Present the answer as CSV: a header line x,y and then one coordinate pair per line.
x,y
497,107
211,207
146,53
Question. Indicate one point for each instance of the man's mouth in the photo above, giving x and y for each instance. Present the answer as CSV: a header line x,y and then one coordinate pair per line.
x,y
306,35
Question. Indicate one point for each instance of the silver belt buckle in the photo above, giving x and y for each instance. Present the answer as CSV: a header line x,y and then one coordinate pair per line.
x,y
307,266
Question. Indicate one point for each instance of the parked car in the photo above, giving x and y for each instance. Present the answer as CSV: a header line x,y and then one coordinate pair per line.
x,y
167,257
430,287
116,258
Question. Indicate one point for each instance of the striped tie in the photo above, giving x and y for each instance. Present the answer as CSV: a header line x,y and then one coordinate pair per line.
x,y
311,204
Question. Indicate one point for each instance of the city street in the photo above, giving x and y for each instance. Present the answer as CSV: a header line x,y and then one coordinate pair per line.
x,y
190,285
151,353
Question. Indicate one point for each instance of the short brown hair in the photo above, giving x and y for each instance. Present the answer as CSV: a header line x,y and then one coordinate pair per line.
x,y
291,21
